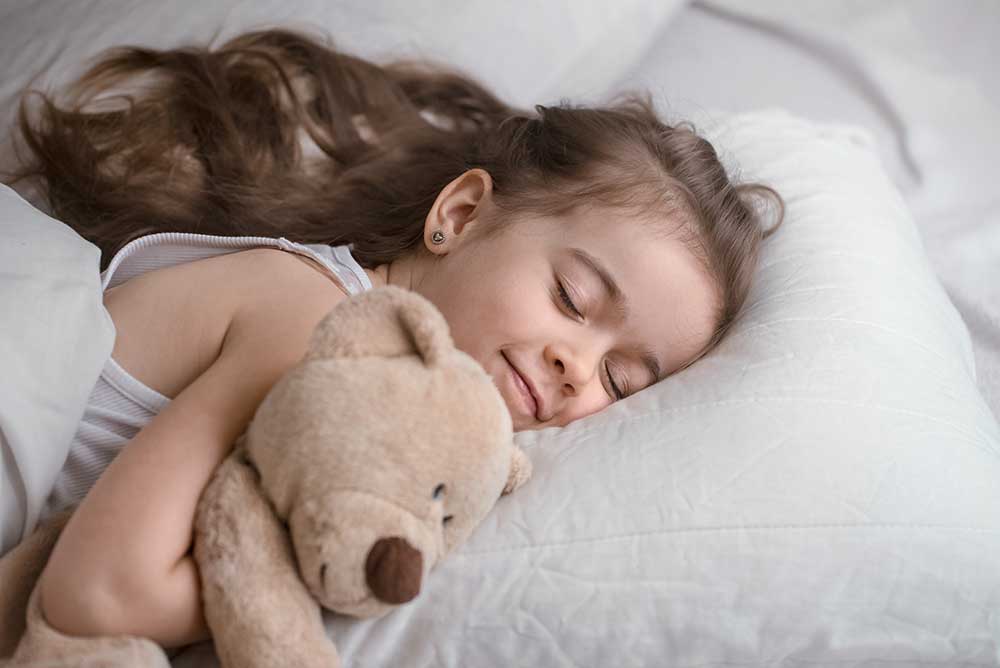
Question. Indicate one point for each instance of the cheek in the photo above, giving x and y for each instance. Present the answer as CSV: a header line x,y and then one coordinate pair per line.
x,y
492,304
593,400
475,319
492,309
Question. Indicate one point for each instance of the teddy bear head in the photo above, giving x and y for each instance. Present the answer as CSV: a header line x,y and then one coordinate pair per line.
x,y
382,450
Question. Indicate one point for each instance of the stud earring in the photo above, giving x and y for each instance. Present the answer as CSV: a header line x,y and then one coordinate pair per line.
x,y
438,237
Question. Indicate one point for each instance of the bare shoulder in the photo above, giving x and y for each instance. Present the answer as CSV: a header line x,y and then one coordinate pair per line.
x,y
279,283
172,323
284,300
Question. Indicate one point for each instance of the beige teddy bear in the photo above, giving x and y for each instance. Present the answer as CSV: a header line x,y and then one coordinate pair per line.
x,y
369,461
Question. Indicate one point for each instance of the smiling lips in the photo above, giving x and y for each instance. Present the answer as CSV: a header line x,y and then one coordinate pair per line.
x,y
530,402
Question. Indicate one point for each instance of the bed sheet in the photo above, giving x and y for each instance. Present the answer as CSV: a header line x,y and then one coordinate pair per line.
x,y
919,74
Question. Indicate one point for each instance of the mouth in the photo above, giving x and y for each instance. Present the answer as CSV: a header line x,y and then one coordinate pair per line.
x,y
528,399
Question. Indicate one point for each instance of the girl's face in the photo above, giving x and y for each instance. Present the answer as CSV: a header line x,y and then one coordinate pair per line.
x,y
584,308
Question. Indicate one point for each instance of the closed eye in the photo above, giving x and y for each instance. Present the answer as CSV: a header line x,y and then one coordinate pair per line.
x,y
564,296
617,393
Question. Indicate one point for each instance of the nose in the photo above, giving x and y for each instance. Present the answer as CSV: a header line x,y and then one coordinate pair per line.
x,y
574,368
393,570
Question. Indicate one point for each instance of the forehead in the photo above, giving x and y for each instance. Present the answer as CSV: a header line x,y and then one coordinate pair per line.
x,y
671,298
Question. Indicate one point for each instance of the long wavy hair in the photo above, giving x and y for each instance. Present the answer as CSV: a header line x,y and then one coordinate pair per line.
x,y
276,133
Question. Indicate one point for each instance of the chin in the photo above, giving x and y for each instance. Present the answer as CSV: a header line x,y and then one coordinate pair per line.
x,y
523,424
517,420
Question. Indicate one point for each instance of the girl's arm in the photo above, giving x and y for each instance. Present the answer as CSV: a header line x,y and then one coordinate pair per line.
x,y
123,564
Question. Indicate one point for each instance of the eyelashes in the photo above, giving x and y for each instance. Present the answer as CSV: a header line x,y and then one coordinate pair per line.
x,y
566,300
614,388
564,297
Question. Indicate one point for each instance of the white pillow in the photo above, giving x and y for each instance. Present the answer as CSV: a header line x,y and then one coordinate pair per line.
x,y
54,338
821,490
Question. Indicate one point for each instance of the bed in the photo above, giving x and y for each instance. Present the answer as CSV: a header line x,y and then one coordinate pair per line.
x,y
823,490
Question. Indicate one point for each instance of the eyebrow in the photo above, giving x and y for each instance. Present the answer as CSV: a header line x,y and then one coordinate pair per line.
x,y
620,301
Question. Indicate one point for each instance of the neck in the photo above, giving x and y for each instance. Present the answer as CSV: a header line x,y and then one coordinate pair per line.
x,y
404,272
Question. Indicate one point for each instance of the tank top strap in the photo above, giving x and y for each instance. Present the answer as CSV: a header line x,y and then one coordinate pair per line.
x,y
166,249
339,261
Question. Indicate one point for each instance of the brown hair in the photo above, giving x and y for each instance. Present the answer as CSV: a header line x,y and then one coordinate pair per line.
x,y
212,141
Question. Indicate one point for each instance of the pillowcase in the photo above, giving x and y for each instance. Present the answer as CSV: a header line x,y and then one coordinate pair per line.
x,y
55,336
821,489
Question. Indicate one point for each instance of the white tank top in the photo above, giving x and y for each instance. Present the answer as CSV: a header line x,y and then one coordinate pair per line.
x,y
120,405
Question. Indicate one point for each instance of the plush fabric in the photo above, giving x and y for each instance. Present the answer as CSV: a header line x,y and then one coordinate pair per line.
x,y
43,645
356,480
341,493
19,570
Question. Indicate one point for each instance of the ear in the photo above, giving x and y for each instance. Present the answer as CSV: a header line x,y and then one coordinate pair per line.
x,y
520,471
383,322
458,206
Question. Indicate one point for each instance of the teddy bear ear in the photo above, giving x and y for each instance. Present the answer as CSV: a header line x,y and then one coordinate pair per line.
x,y
520,471
382,322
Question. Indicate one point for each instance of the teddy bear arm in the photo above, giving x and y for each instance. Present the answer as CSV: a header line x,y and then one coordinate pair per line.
x,y
259,611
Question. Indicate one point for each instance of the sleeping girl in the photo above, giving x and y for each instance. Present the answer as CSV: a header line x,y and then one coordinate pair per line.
x,y
579,254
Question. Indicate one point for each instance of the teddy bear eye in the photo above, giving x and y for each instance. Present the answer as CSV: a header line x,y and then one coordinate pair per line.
x,y
446,519
439,490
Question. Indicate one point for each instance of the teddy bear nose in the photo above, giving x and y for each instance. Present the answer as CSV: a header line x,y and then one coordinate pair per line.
x,y
394,569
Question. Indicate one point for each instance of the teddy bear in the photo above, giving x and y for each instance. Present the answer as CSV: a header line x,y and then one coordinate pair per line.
x,y
368,462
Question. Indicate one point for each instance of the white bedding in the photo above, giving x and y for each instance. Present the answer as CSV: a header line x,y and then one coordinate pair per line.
x,y
684,528
54,338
